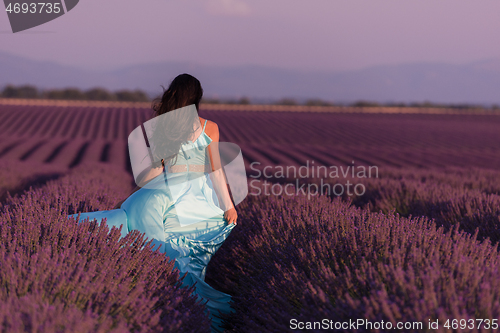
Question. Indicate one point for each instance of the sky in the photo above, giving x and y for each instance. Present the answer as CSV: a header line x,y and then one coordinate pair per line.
x,y
319,35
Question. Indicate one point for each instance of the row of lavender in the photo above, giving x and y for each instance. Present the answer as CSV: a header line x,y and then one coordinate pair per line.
x,y
60,276
292,259
305,261
421,246
69,136
468,199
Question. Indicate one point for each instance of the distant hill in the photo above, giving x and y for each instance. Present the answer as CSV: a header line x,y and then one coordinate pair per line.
x,y
477,82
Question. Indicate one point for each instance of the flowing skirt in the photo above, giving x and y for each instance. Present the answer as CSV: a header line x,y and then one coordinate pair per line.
x,y
180,213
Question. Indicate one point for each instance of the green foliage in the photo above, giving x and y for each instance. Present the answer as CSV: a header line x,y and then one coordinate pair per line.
x,y
100,94
26,91
317,102
72,93
365,104
244,100
206,100
132,96
67,94
287,101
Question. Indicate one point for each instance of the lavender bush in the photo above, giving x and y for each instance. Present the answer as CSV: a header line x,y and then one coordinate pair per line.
x,y
289,258
316,259
467,198
17,176
30,313
76,274
416,246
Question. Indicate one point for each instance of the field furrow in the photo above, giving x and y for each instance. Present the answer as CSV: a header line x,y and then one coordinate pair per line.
x,y
70,135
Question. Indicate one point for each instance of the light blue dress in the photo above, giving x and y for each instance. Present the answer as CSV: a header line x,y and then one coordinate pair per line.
x,y
180,212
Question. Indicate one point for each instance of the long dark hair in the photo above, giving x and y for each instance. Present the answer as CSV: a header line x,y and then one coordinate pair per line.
x,y
171,132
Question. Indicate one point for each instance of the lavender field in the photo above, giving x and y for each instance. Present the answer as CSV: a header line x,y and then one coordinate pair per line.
x,y
420,244
70,135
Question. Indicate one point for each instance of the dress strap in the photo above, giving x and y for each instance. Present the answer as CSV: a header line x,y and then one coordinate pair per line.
x,y
204,125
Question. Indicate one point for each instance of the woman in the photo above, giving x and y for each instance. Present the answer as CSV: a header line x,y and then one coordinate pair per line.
x,y
182,201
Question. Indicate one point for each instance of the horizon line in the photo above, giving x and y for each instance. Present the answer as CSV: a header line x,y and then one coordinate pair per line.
x,y
255,107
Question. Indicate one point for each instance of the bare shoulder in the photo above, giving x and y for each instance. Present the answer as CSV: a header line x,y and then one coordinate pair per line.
x,y
212,129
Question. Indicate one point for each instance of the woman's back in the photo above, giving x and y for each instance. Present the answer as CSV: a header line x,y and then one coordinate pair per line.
x,y
193,154
179,209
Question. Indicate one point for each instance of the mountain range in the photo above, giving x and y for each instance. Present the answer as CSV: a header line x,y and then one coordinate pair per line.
x,y
477,82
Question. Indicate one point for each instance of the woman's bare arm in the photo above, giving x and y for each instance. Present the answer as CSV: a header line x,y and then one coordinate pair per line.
x,y
217,176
